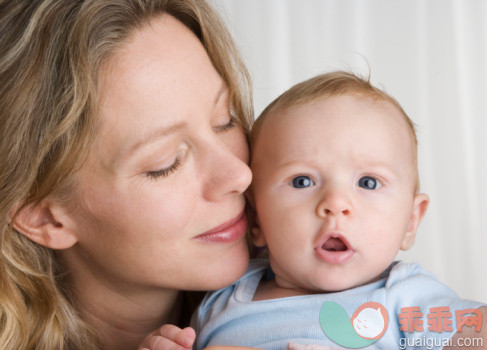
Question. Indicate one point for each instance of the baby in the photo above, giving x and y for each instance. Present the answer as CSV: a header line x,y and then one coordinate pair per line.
x,y
336,192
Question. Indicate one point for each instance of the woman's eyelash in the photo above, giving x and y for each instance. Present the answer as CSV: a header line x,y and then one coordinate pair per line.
x,y
166,171
177,163
228,126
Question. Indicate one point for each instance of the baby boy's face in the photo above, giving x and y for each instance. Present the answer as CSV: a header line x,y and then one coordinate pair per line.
x,y
334,192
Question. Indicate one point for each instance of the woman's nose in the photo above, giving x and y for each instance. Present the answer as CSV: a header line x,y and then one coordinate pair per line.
x,y
334,201
227,173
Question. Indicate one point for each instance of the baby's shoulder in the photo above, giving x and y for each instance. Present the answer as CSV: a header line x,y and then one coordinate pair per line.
x,y
409,284
404,273
410,289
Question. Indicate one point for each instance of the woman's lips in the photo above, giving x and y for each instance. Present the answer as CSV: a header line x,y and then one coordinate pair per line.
x,y
334,249
230,231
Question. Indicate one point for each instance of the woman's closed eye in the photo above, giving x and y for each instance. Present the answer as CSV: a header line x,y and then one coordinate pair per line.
x,y
165,172
369,183
225,127
302,181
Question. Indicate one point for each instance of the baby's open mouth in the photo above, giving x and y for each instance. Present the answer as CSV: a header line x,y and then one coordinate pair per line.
x,y
335,249
334,244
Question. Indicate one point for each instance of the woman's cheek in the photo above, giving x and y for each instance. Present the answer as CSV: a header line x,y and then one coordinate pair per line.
x,y
237,143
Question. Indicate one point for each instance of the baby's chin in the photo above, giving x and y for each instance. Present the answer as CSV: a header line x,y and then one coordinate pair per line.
x,y
354,275
315,278
340,284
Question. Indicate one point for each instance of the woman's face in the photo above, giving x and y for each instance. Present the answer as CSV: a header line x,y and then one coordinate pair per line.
x,y
161,193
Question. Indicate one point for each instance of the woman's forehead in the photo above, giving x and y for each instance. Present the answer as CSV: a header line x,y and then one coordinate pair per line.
x,y
163,78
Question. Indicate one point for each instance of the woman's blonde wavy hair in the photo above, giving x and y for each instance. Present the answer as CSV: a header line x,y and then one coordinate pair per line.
x,y
51,52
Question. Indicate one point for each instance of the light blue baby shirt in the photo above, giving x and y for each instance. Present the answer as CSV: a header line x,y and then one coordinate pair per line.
x,y
230,317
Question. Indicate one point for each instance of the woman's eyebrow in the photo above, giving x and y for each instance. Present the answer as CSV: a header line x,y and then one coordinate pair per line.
x,y
157,134
151,137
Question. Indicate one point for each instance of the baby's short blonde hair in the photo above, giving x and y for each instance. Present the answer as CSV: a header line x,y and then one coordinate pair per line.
x,y
334,84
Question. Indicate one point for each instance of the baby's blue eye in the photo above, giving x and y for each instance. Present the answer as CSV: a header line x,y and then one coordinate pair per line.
x,y
369,183
302,181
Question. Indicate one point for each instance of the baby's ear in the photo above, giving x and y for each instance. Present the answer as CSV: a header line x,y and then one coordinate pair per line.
x,y
255,232
420,205
249,194
45,223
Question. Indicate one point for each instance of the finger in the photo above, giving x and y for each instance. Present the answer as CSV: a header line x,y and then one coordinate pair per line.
x,y
152,341
184,337
162,343
168,331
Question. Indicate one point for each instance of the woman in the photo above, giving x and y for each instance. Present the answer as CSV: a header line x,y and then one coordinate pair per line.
x,y
123,163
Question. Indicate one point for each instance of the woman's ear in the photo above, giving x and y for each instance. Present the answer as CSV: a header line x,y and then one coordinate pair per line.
x,y
420,205
45,223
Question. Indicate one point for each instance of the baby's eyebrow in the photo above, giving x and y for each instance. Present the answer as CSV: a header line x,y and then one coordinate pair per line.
x,y
290,163
383,167
286,164
375,163
297,165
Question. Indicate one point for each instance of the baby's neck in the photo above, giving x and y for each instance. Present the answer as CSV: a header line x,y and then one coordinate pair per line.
x,y
269,289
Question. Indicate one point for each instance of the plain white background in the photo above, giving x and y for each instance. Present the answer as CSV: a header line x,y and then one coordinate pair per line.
x,y
429,54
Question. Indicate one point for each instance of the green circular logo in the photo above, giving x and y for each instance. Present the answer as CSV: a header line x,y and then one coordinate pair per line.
x,y
367,325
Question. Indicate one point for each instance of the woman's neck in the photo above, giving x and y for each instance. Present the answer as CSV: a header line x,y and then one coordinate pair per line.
x,y
122,315
123,323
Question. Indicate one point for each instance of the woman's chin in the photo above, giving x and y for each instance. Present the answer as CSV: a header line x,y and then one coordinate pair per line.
x,y
225,272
